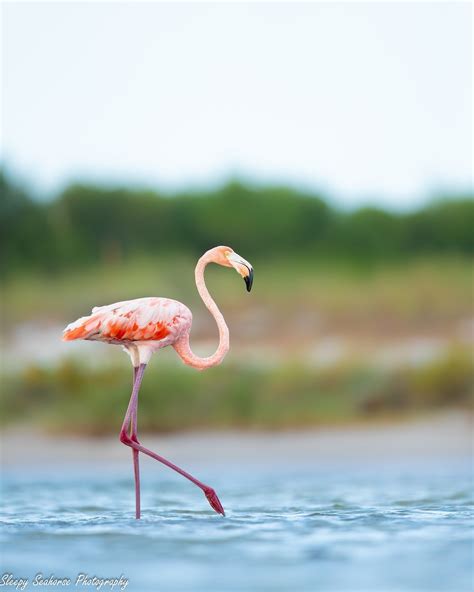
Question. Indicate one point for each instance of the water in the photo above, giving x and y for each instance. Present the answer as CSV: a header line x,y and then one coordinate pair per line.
x,y
407,526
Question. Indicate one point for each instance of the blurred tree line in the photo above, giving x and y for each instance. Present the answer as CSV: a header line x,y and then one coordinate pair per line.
x,y
85,223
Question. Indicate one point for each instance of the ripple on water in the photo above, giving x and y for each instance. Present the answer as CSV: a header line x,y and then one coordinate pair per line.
x,y
374,530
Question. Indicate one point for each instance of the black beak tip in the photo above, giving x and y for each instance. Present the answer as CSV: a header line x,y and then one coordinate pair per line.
x,y
249,280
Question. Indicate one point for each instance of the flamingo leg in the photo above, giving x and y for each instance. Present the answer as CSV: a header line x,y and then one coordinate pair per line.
x,y
135,453
132,441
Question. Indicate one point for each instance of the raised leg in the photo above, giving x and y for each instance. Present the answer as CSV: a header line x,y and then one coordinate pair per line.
x,y
132,441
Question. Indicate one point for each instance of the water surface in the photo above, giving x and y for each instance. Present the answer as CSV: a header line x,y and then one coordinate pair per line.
x,y
403,526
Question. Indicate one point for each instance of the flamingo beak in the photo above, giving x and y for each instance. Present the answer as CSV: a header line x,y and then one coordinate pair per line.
x,y
242,267
248,279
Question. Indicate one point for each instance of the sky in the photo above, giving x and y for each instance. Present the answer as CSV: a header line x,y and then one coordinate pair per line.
x,y
363,102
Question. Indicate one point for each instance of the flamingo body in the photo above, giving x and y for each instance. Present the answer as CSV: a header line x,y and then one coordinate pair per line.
x,y
154,322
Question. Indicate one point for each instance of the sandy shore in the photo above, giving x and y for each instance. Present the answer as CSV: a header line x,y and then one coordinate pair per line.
x,y
444,436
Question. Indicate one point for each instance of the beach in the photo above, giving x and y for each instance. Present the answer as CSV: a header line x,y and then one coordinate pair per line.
x,y
448,435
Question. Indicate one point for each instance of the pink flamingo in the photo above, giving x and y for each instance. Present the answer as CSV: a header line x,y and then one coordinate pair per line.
x,y
145,325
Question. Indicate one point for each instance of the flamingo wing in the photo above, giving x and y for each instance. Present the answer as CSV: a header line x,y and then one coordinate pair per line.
x,y
143,319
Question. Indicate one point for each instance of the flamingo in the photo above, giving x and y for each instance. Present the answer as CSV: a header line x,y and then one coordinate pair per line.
x,y
145,325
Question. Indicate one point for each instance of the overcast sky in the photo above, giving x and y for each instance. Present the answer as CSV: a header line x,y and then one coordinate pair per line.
x,y
365,102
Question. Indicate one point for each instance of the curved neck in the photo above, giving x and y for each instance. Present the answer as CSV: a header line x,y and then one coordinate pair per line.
x,y
182,346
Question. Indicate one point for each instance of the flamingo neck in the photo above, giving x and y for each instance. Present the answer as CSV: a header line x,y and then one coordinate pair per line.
x,y
183,347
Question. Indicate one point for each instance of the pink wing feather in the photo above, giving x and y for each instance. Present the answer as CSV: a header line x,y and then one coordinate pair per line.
x,y
143,319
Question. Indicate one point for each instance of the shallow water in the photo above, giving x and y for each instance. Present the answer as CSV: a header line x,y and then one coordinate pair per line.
x,y
403,526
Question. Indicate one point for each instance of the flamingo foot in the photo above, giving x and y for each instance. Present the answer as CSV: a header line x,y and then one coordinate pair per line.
x,y
214,500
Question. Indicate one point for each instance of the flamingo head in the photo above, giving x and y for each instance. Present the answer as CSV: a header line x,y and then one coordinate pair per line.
x,y
227,257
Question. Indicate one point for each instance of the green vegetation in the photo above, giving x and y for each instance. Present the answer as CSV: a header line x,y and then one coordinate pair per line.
x,y
416,293
86,224
368,277
74,399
